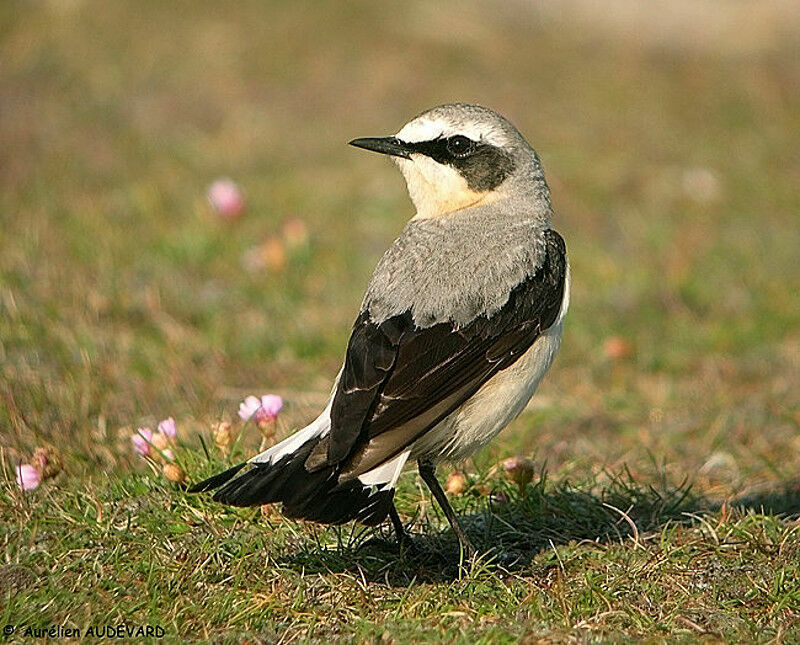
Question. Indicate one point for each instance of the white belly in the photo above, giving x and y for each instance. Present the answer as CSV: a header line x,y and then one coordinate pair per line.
x,y
496,404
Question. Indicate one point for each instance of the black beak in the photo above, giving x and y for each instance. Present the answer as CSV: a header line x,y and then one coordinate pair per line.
x,y
384,145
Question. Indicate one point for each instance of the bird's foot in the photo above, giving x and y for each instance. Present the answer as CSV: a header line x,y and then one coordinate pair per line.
x,y
380,544
505,559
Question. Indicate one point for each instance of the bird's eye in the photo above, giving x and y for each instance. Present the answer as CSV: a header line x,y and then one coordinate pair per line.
x,y
459,146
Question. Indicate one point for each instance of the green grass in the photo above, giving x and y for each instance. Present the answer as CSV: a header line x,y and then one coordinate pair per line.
x,y
668,500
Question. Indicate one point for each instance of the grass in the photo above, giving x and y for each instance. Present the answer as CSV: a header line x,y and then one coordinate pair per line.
x,y
668,500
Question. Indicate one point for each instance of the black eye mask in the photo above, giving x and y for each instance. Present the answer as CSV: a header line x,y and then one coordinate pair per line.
x,y
483,166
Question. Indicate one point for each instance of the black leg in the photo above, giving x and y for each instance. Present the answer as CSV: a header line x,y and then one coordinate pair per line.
x,y
428,473
403,538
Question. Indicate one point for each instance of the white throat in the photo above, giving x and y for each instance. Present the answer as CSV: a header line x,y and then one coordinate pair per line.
x,y
436,189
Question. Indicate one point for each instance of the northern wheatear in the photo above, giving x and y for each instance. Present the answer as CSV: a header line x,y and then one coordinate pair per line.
x,y
460,321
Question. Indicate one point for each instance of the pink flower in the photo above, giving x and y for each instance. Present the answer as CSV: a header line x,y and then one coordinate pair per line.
x,y
499,498
264,409
249,407
271,405
519,469
226,198
141,441
167,428
28,477
168,454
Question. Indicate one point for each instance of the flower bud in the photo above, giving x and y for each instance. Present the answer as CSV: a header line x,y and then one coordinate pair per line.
x,y
267,428
159,441
295,233
224,436
273,253
174,473
617,348
47,461
520,470
456,483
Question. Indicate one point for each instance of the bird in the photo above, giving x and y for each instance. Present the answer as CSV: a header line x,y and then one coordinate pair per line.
x,y
460,321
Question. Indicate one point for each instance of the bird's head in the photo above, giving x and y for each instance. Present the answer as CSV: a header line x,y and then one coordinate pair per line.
x,y
458,155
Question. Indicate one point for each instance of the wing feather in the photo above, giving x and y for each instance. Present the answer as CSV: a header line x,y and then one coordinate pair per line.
x,y
400,380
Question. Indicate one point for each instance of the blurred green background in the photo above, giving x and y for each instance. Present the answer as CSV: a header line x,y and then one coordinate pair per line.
x,y
671,141
670,136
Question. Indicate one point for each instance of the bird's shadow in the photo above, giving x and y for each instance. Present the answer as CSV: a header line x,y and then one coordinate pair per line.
x,y
511,534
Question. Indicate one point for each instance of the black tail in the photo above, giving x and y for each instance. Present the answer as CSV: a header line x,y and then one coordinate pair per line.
x,y
316,496
217,480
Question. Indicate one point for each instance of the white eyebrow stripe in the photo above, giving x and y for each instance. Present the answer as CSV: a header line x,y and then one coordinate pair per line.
x,y
420,130
425,129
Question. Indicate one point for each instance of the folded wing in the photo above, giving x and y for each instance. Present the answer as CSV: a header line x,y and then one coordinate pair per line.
x,y
399,380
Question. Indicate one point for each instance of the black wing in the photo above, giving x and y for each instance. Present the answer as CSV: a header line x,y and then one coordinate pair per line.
x,y
399,380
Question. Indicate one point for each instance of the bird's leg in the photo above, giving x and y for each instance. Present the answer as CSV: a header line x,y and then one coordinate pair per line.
x,y
428,473
403,538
